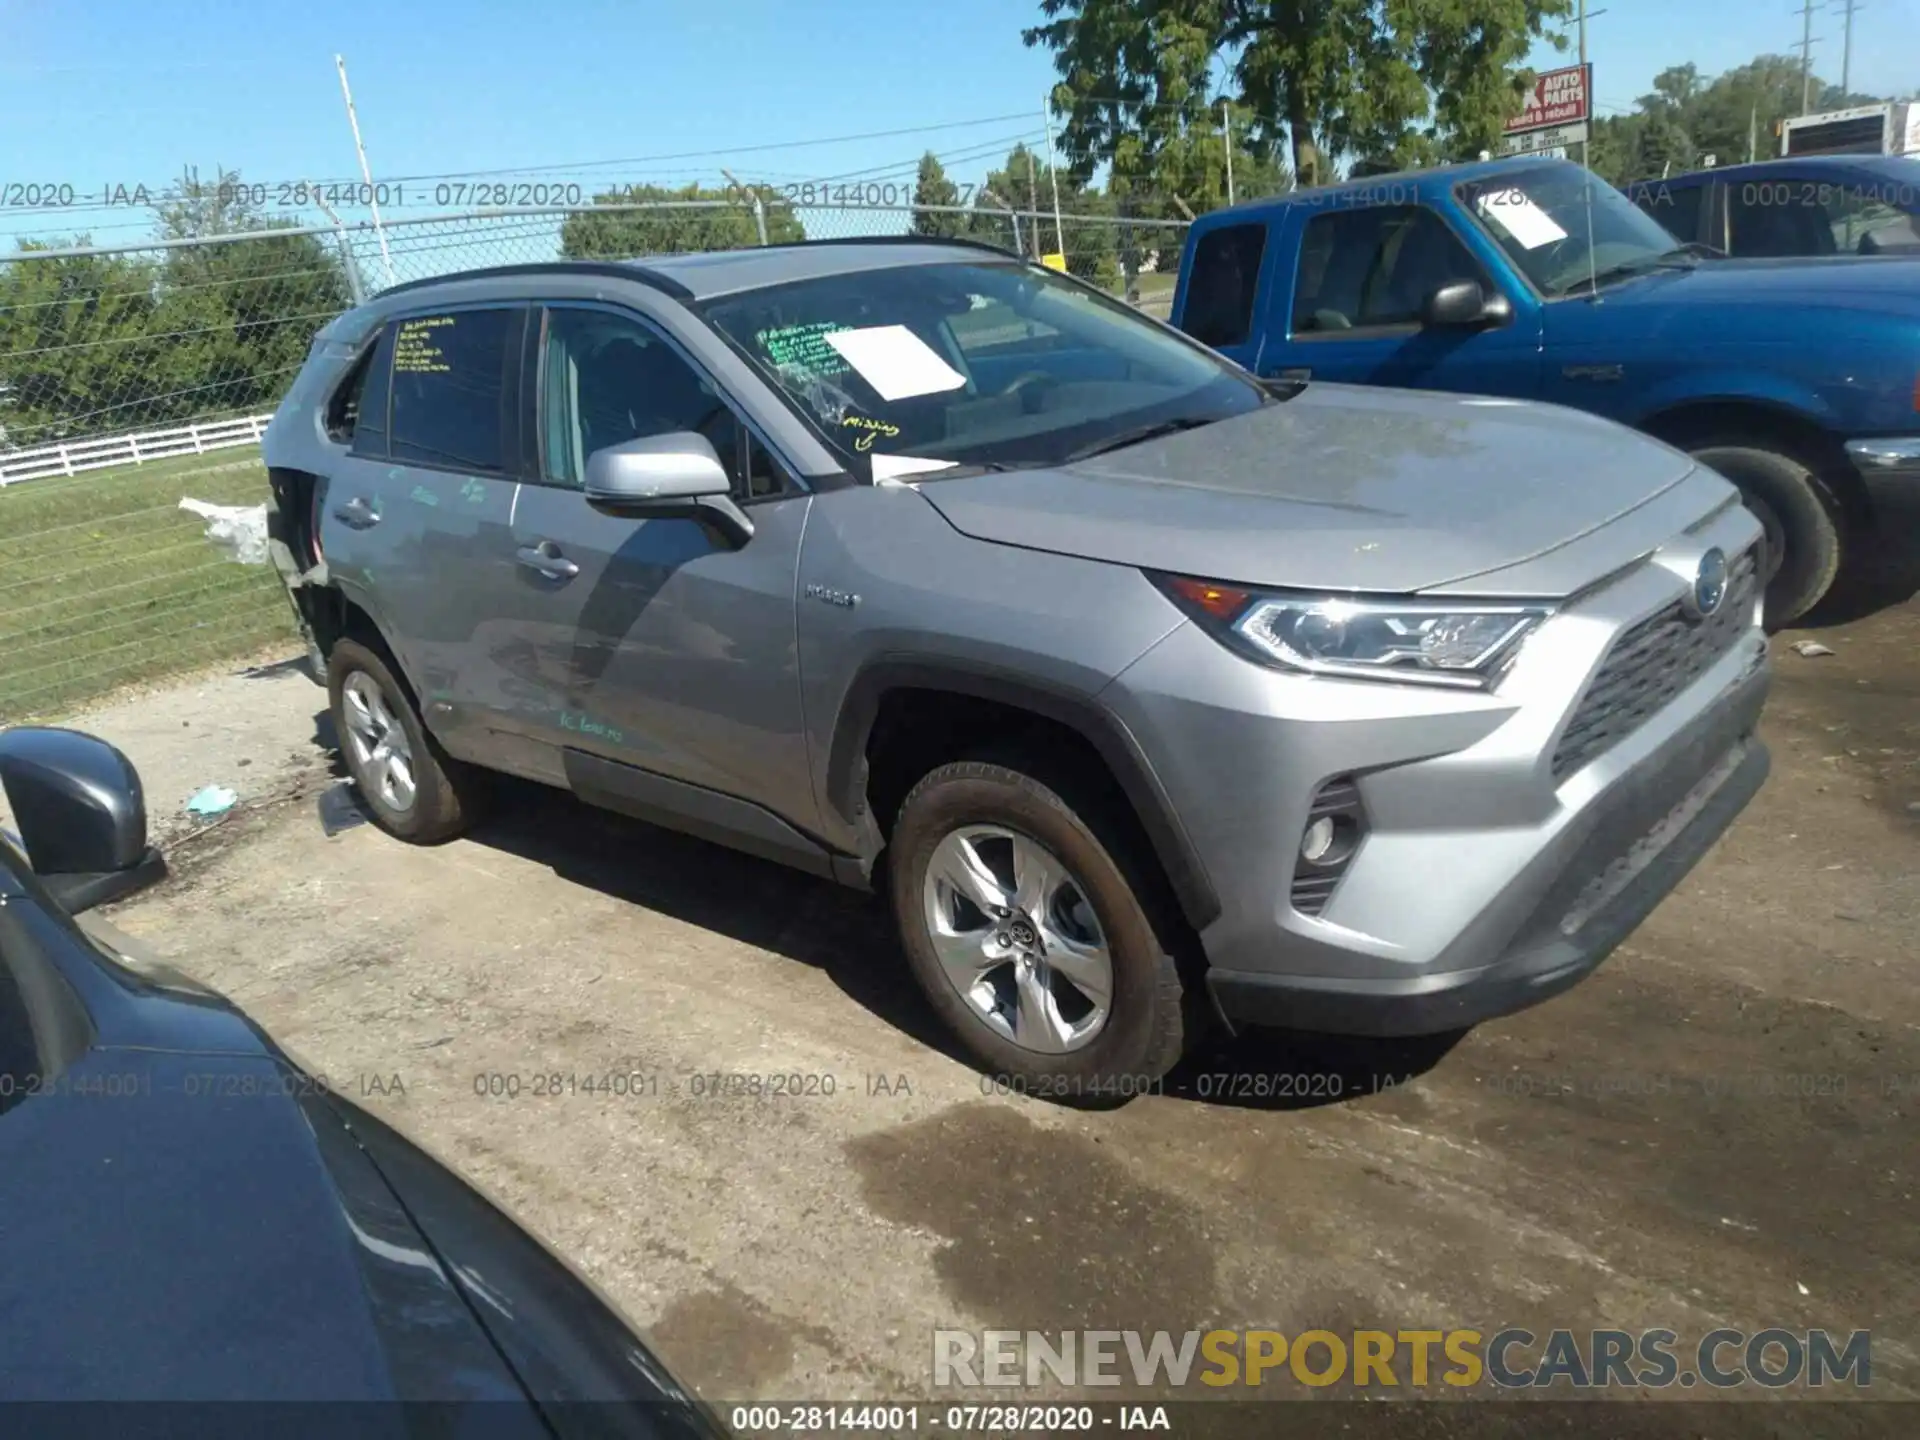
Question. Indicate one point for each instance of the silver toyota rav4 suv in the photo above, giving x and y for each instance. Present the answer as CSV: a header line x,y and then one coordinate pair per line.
x,y
1149,693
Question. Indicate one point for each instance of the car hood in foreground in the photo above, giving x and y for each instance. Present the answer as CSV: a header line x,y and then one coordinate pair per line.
x,y
187,1215
1345,488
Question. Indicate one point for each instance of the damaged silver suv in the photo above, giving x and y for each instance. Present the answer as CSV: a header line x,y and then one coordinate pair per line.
x,y
1146,691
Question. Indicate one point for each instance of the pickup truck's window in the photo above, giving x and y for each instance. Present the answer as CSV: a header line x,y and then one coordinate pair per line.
x,y
608,379
1566,229
1374,268
450,374
1676,208
1221,284
911,369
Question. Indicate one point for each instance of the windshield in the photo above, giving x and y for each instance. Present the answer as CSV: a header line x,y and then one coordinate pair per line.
x,y
1564,226
913,369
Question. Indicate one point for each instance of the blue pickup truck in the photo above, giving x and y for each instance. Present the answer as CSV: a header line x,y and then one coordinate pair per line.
x,y
1531,279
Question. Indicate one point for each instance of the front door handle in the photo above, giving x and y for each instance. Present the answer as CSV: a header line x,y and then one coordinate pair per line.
x,y
547,560
356,514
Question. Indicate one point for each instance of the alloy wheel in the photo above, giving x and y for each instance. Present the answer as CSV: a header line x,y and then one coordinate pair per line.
x,y
1017,938
377,743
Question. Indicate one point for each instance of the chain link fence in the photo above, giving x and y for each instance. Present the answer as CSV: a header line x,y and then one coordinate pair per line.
x,y
134,376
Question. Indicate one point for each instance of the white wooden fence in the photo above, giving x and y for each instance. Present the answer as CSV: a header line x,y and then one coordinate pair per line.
x,y
76,456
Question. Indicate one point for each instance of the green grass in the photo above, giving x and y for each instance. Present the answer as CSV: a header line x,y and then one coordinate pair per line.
x,y
106,582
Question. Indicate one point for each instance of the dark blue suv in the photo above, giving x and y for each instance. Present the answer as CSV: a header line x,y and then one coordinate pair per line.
x,y
1813,205
1532,280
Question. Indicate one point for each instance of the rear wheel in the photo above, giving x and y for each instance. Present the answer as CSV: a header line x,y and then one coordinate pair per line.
x,y
413,788
1024,930
1803,520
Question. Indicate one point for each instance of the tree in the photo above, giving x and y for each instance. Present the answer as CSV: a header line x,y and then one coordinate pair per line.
x,y
932,187
96,343
239,316
1400,80
712,220
1683,119
72,333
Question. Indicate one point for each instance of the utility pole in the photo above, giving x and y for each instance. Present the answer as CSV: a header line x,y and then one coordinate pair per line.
x,y
1806,56
1753,132
1053,175
1586,146
1846,51
1033,203
373,198
1226,132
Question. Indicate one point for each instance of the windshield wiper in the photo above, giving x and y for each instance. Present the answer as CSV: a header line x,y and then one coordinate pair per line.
x,y
1137,436
1678,258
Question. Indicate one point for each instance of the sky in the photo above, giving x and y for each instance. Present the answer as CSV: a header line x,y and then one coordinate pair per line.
x,y
107,95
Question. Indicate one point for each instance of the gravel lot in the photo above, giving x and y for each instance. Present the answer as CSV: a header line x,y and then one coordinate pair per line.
x,y
1717,1129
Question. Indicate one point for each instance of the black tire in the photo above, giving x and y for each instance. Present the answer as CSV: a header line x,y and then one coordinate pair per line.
x,y
1147,1022
1804,520
446,793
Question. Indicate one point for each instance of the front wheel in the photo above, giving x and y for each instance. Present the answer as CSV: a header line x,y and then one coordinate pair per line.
x,y
1028,938
1803,520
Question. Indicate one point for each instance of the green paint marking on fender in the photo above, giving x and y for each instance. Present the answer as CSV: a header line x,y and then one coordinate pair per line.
x,y
424,496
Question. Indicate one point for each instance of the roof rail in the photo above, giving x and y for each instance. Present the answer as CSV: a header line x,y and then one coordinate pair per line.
x,y
619,268
965,242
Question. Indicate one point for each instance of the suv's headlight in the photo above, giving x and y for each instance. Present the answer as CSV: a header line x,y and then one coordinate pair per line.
x,y
1427,642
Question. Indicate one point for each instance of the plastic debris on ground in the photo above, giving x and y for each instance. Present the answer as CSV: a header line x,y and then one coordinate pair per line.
x,y
340,809
239,530
1810,648
213,800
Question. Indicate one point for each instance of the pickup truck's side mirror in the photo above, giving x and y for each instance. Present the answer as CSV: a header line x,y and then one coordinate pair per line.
x,y
1461,303
81,813
676,475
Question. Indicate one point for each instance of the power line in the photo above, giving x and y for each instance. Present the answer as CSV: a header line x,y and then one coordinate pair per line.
x,y
355,184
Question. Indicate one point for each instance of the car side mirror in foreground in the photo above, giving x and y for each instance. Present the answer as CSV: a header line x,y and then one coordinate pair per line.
x,y
677,475
1463,302
81,815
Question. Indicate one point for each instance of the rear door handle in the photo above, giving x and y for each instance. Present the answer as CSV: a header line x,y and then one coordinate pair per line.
x,y
547,560
356,514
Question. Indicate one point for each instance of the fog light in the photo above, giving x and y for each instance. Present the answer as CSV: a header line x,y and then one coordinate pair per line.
x,y
1317,843
1336,825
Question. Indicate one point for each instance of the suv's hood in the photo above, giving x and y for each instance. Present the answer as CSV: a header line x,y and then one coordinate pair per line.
x,y
1340,488
1846,282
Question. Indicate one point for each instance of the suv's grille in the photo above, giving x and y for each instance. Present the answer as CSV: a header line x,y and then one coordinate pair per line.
x,y
1649,665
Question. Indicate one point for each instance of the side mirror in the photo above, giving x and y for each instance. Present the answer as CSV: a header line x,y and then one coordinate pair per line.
x,y
667,476
81,813
1463,302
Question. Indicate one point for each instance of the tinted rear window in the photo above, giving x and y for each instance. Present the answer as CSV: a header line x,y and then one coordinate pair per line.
x,y
450,374
1222,284
1677,208
363,401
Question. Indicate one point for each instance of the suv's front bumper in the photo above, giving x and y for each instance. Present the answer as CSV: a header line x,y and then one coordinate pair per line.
x,y
1481,831
1893,456
1611,868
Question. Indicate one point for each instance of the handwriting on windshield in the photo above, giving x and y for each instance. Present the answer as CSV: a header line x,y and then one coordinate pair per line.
x,y
870,430
803,348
